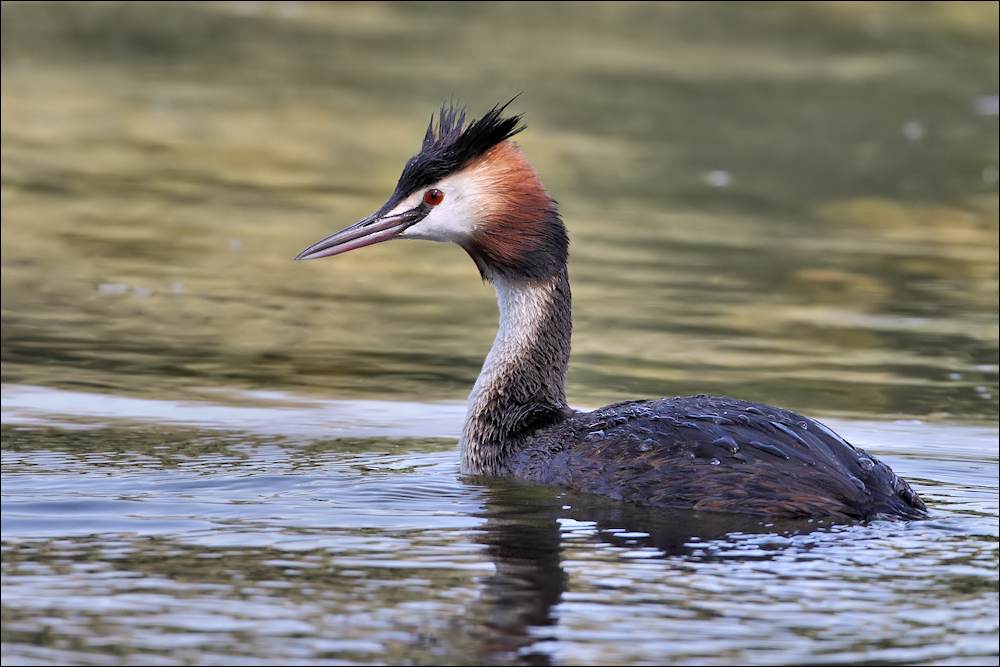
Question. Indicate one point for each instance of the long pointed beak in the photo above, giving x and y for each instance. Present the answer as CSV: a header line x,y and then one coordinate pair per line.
x,y
374,229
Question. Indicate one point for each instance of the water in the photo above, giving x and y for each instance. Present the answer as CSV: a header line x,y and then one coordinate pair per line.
x,y
308,531
214,454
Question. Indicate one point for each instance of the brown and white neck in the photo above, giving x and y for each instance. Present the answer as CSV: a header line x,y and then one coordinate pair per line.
x,y
522,386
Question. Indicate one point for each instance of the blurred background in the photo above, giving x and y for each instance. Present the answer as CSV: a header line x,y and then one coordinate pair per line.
x,y
793,203
213,454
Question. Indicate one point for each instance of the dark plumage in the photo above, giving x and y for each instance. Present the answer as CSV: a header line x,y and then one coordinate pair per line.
x,y
718,454
446,150
472,186
453,146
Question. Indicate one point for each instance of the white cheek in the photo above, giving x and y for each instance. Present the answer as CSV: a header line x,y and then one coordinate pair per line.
x,y
455,218
407,204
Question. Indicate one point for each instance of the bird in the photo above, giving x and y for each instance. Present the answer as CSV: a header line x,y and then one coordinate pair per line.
x,y
470,184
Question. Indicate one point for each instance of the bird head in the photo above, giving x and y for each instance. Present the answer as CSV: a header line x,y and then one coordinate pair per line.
x,y
470,185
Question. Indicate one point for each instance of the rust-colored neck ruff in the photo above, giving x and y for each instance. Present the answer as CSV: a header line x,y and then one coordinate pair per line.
x,y
519,235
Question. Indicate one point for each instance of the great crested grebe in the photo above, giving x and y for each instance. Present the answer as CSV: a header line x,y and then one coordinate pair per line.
x,y
471,185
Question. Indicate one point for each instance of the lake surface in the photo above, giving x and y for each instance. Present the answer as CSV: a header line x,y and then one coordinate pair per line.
x,y
214,454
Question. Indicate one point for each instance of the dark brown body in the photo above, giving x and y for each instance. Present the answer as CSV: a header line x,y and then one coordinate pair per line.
x,y
471,185
717,454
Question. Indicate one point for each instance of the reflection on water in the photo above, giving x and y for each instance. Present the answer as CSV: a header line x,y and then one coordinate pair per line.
x,y
199,536
214,454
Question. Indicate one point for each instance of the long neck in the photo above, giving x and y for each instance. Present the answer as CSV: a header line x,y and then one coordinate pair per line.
x,y
522,386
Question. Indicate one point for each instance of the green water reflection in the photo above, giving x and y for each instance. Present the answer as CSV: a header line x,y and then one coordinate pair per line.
x,y
795,204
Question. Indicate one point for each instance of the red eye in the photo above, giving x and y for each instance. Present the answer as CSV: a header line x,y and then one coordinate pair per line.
x,y
433,196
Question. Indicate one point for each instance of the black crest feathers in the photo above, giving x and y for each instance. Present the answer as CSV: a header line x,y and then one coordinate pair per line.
x,y
451,145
